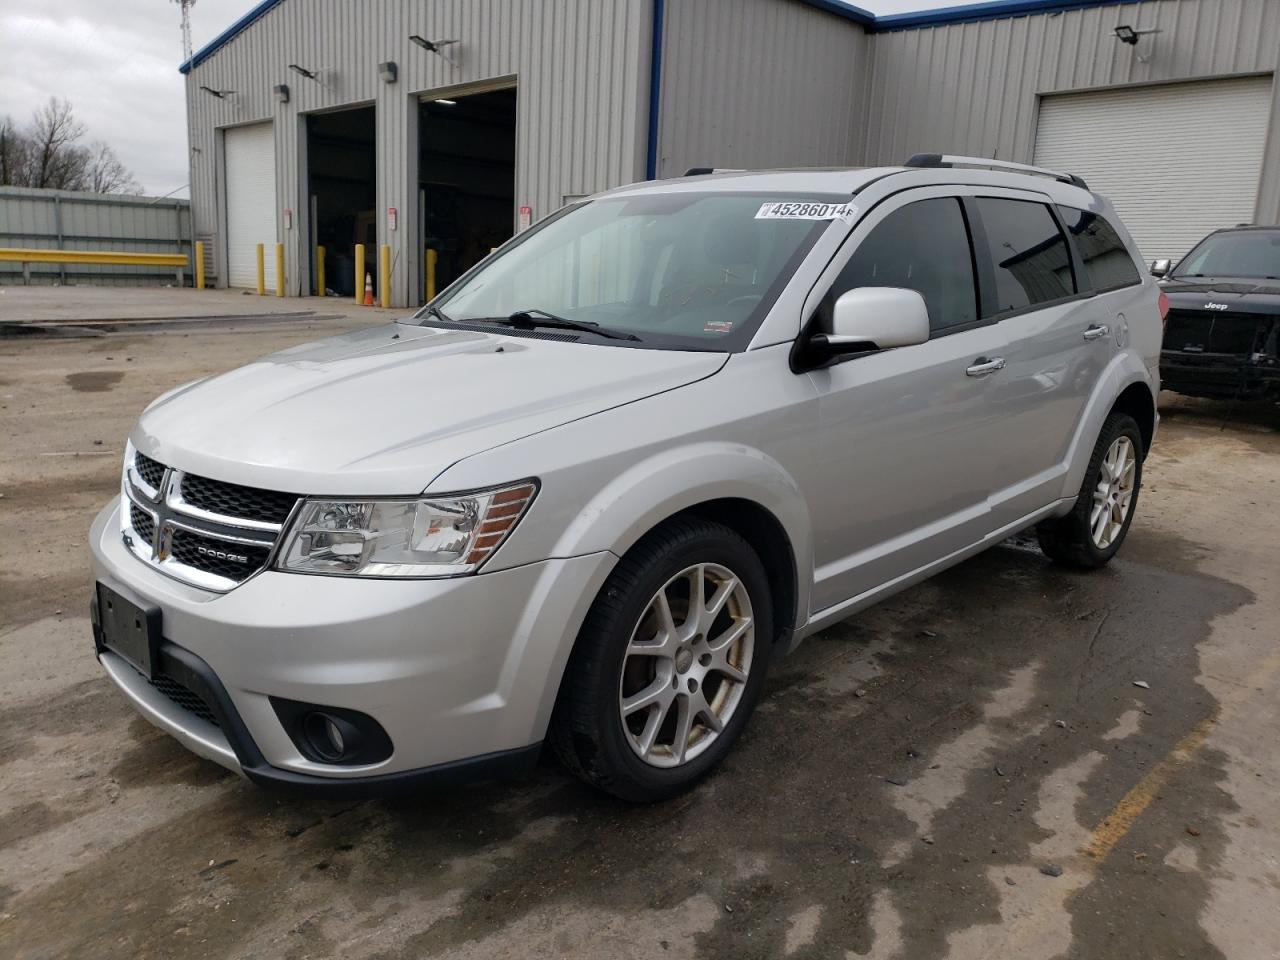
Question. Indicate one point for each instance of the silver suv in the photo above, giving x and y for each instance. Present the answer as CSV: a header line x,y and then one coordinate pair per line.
x,y
591,491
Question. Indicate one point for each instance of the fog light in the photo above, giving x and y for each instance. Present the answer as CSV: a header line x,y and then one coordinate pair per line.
x,y
327,734
332,738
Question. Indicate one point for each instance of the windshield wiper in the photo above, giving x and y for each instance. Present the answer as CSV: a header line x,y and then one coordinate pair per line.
x,y
439,314
529,319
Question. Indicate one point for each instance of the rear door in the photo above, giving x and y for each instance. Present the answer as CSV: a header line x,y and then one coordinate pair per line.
x,y
1060,339
902,464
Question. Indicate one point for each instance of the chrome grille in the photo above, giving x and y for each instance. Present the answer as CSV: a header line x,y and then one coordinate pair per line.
x,y
233,561
233,500
149,470
202,531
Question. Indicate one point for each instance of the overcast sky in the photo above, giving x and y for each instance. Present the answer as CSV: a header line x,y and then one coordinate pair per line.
x,y
117,62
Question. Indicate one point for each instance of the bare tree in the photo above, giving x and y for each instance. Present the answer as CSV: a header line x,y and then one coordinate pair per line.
x,y
47,153
53,158
13,153
106,174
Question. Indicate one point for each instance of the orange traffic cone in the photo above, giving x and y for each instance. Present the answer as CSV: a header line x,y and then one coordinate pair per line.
x,y
368,290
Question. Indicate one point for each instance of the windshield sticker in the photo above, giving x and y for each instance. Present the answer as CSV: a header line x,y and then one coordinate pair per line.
x,y
805,210
718,326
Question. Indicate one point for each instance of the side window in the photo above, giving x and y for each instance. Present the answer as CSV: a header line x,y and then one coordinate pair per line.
x,y
1028,253
923,246
1107,264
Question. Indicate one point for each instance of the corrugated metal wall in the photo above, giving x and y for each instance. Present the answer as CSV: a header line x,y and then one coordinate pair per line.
x,y
581,71
759,83
974,88
67,220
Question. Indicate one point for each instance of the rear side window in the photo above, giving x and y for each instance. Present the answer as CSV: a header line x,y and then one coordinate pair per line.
x,y
1107,264
923,246
1029,254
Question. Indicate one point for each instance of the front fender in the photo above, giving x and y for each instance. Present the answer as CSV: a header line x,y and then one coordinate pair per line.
x,y
670,481
1125,369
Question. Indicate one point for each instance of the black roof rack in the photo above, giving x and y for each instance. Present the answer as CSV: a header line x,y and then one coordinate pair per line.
x,y
937,160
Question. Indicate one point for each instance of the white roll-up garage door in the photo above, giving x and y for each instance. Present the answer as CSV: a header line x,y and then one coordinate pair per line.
x,y
1177,160
251,203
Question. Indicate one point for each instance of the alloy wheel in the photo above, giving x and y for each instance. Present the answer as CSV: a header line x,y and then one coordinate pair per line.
x,y
1113,495
686,665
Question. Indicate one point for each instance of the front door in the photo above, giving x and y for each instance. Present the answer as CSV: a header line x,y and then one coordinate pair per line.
x,y
903,463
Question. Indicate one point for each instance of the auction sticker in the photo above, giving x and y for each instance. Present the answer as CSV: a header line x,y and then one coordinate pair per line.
x,y
805,210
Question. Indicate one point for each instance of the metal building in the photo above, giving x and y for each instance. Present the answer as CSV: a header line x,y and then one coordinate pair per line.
x,y
440,128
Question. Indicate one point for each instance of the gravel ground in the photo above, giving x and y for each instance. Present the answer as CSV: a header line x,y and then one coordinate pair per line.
x,y
967,770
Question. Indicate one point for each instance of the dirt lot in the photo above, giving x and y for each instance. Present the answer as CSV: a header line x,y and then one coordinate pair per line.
x,y
910,777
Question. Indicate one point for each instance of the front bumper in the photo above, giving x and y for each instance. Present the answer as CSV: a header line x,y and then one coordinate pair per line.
x,y
460,673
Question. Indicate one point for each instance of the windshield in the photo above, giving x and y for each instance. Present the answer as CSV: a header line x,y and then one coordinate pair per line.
x,y
1254,254
681,271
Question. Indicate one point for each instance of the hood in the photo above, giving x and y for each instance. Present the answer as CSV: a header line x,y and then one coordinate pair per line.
x,y
384,411
1241,295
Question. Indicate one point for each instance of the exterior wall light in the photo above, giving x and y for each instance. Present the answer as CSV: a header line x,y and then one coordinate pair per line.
x,y
281,90
388,72
1127,34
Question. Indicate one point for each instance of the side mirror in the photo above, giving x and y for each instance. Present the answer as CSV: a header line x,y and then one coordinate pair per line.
x,y
1161,268
875,318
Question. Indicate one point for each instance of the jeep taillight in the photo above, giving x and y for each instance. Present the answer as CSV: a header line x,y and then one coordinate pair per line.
x,y
1164,307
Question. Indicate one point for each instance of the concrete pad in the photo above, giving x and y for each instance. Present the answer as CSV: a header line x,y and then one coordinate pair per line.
x,y
934,715
90,305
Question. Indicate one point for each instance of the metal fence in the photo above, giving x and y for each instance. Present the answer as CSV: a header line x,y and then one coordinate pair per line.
x,y
67,220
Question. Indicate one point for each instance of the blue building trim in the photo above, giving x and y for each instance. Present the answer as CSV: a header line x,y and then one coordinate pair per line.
x,y
655,89
990,10
229,34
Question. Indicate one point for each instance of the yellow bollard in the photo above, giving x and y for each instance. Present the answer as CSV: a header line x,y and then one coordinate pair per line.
x,y
319,271
262,272
432,256
279,269
384,275
199,264
359,274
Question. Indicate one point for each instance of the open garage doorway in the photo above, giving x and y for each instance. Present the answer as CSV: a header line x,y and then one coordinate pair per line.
x,y
466,180
341,173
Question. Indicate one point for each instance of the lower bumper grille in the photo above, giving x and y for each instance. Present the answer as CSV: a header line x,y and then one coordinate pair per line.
x,y
188,700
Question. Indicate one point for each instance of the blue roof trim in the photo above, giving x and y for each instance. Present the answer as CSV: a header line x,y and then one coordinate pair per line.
x,y
229,34
990,10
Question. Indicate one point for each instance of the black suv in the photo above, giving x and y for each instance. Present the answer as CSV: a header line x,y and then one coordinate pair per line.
x,y
1220,338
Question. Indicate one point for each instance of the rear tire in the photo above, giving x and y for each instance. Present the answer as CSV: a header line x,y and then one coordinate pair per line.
x,y
1089,536
655,693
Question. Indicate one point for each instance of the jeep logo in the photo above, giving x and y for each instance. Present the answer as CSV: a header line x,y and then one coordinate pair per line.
x,y
221,555
1215,306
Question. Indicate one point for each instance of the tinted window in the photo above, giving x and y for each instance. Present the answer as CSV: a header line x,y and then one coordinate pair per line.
x,y
1028,253
1107,263
924,246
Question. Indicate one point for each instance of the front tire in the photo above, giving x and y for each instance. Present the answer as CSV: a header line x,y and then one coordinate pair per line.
x,y
1089,536
668,665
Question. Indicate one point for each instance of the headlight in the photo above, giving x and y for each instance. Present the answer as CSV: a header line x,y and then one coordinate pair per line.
x,y
422,537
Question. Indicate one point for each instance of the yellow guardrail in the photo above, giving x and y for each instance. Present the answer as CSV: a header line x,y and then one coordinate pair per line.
x,y
26,257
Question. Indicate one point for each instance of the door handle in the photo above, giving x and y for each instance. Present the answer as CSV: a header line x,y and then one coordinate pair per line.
x,y
1096,331
984,366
